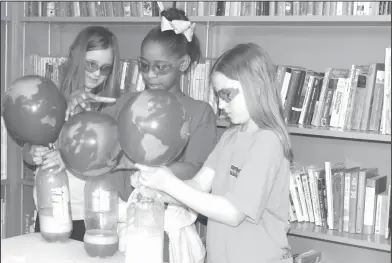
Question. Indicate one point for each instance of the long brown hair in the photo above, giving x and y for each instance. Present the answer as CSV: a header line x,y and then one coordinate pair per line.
x,y
73,77
251,66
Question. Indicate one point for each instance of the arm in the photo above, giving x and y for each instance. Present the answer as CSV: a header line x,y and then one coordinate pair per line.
x,y
250,194
184,170
194,194
201,143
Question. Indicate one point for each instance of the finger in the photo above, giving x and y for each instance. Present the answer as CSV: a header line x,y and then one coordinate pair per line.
x,y
39,148
48,165
81,102
72,105
96,98
41,154
37,160
145,168
52,155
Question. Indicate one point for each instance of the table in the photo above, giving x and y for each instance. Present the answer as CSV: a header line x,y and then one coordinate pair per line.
x,y
33,248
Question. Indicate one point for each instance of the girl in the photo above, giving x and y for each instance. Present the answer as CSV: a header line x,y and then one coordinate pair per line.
x,y
248,171
92,66
167,52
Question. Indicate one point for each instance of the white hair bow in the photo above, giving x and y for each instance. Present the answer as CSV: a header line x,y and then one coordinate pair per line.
x,y
179,27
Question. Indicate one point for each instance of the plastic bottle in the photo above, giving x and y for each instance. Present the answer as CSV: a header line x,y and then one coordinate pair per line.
x,y
101,217
54,207
145,231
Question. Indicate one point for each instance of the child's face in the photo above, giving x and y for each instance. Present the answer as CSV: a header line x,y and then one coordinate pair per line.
x,y
231,98
160,69
98,66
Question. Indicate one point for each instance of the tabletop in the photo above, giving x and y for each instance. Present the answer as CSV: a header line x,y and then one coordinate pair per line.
x,y
33,248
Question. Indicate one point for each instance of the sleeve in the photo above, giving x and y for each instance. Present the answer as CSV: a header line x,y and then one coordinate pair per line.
x,y
27,158
121,180
204,138
212,159
256,179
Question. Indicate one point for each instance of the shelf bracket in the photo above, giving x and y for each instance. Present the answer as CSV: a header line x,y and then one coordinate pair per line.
x,y
49,37
207,39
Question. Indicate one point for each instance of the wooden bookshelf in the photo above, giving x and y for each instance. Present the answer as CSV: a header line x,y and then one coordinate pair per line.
x,y
329,132
233,20
310,230
314,42
4,182
27,182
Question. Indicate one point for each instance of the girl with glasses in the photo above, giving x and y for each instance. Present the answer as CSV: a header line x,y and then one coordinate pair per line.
x,y
92,66
243,186
167,52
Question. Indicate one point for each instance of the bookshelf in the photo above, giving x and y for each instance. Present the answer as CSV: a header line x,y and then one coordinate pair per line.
x,y
328,132
314,42
381,20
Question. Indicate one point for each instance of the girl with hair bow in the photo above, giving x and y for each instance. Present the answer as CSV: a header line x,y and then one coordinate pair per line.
x,y
167,53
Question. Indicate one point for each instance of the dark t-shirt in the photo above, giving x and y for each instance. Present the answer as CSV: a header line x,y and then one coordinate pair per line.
x,y
202,140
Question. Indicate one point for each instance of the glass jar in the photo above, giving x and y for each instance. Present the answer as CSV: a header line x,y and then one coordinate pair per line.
x,y
53,204
101,217
145,230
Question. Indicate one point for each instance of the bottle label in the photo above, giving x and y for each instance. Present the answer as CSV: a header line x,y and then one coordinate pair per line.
x,y
100,201
60,202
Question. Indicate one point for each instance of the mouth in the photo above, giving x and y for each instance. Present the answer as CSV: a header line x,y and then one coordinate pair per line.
x,y
92,79
154,86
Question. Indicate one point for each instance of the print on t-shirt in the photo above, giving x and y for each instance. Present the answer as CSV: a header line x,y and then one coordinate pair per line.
x,y
234,171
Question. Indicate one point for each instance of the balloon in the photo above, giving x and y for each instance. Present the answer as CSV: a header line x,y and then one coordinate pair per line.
x,y
152,128
88,144
34,110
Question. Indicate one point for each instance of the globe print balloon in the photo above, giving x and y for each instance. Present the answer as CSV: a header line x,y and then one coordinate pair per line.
x,y
88,144
153,128
34,110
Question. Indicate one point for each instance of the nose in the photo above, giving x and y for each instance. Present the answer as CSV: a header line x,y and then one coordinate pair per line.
x,y
151,74
222,104
97,73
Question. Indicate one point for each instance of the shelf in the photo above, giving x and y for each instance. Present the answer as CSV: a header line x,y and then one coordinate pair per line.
x,y
338,133
4,182
233,20
310,230
27,182
330,132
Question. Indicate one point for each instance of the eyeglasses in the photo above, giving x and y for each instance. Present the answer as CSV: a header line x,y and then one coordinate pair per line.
x,y
104,70
158,67
228,94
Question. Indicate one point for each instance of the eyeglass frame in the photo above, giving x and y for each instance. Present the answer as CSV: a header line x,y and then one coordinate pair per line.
x,y
153,66
92,67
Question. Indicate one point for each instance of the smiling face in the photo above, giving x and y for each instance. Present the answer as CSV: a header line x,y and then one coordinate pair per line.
x,y
98,67
160,68
231,98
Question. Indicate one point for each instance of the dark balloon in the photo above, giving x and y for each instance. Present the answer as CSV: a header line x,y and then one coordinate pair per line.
x,y
34,110
153,128
88,144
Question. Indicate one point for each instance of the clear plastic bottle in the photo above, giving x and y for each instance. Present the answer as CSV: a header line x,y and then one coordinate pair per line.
x,y
54,207
145,223
101,217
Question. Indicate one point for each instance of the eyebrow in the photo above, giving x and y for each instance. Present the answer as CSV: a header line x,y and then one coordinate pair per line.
x,y
96,62
155,61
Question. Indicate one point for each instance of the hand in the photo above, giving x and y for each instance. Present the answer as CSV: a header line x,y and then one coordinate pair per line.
x,y
135,179
83,99
53,159
158,178
46,157
38,153
142,190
